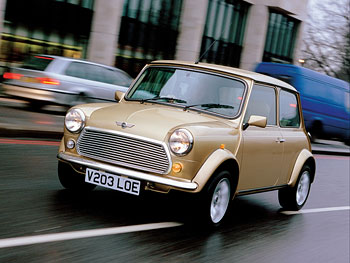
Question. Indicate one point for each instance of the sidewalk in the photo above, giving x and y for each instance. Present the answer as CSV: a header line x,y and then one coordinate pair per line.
x,y
330,148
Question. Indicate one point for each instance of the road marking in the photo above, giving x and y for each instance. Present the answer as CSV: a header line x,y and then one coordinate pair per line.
x,y
31,142
31,240
316,210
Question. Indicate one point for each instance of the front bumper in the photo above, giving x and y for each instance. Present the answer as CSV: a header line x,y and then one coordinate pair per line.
x,y
126,172
50,96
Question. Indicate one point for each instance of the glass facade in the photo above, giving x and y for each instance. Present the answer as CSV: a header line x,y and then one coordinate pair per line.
x,y
224,31
280,38
56,27
149,31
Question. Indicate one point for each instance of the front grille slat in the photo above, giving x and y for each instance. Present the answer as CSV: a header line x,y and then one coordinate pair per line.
x,y
129,159
113,147
122,149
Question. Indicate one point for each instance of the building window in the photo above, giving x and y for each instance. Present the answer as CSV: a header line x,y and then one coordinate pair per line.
x,y
39,27
148,31
15,48
280,38
224,31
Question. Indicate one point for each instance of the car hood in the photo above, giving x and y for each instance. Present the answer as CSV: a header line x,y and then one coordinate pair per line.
x,y
153,121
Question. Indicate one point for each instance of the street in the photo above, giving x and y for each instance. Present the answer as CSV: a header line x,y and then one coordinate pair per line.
x,y
33,203
42,222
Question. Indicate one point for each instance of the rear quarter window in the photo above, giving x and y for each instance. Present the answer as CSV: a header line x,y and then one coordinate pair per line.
x,y
37,63
289,110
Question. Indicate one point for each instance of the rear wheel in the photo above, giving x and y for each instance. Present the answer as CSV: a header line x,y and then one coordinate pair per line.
x,y
316,131
294,198
72,180
36,105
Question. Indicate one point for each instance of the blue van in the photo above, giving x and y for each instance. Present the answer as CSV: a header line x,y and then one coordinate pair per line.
x,y
325,100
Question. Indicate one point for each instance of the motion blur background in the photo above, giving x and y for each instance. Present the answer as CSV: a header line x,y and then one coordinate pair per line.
x,y
129,33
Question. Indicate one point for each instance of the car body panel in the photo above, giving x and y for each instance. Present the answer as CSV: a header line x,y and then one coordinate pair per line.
x,y
303,157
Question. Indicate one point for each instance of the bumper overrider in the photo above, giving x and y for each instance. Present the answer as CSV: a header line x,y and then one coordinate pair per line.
x,y
127,172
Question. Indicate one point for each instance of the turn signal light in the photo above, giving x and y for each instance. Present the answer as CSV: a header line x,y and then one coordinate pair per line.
x,y
49,81
10,75
177,167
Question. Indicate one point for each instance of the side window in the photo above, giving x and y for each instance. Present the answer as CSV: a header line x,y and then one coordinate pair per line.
x,y
116,78
76,69
94,73
347,101
289,110
262,102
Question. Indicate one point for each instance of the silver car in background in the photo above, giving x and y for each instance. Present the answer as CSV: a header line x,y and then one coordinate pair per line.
x,y
46,79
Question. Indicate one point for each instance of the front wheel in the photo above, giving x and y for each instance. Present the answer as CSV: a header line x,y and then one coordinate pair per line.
x,y
294,198
217,198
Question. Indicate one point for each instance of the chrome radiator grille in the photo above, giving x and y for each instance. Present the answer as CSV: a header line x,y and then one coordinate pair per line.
x,y
123,149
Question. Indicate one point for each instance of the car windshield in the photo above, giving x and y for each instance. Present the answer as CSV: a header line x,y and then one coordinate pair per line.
x,y
190,89
37,63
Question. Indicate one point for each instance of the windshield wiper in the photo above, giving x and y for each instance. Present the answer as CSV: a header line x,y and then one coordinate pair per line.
x,y
209,106
168,99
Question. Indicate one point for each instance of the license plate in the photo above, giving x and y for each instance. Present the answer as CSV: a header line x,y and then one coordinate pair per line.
x,y
113,181
29,79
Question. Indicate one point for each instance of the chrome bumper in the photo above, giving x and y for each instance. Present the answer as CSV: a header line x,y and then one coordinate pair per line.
x,y
130,173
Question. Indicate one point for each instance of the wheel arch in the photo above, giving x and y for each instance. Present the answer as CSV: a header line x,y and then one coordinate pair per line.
x,y
305,158
218,161
230,165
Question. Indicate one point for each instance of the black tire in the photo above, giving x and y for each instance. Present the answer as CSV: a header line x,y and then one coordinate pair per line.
x,y
316,131
36,105
72,180
294,198
217,197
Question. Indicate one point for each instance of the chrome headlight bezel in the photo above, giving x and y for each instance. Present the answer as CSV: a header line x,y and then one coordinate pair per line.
x,y
181,142
74,120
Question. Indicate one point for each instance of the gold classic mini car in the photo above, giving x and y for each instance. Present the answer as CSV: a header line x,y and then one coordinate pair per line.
x,y
212,131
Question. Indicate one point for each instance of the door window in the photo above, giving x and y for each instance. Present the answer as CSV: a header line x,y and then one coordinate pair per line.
x,y
262,102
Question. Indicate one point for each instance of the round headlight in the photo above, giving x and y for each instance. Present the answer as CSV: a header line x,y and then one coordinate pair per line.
x,y
181,142
74,120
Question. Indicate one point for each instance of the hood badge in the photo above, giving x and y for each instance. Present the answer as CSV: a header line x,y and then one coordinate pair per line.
x,y
124,124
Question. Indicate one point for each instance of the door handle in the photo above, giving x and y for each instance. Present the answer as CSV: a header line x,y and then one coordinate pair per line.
x,y
280,140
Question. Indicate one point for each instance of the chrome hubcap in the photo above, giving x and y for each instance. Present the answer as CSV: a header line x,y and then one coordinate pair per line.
x,y
220,200
303,188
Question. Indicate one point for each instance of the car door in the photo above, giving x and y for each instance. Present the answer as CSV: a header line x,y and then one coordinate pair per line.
x,y
262,147
293,134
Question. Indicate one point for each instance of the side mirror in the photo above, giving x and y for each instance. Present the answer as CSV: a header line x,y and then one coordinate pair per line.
x,y
119,95
255,120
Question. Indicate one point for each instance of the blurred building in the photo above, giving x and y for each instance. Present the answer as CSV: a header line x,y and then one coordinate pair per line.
x,y
130,33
